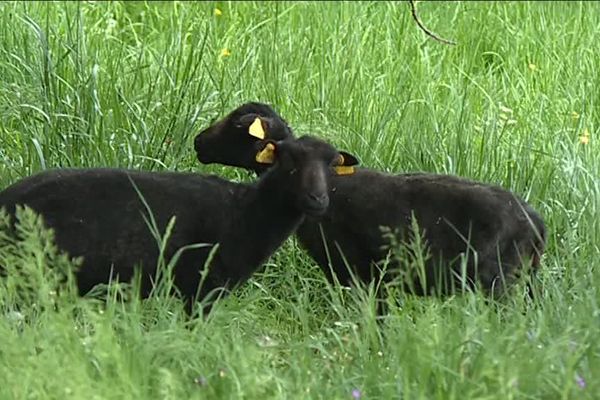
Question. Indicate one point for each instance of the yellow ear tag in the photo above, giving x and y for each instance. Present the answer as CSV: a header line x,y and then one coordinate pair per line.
x,y
344,170
266,155
256,129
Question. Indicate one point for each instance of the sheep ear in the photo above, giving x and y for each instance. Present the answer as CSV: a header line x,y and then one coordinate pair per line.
x,y
345,164
266,155
348,159
257,129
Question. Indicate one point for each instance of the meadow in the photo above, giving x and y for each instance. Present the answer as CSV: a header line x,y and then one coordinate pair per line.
x,y
129,84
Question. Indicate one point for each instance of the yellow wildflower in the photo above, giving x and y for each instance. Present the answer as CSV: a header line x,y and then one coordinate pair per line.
x,y
585,137
532,67
218,12
225,52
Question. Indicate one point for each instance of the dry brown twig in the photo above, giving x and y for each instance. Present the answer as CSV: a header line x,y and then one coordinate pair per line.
x,y
413,9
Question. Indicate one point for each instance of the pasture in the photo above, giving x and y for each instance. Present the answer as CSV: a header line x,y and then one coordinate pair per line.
x,y
516,102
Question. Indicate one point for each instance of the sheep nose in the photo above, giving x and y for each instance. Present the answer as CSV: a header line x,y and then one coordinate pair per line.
x,y
317,201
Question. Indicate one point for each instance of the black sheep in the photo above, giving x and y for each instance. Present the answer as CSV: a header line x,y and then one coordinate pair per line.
x,y
98,214
450,211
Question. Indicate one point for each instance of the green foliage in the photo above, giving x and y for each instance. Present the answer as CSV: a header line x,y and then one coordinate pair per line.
x,y
129,84
35,270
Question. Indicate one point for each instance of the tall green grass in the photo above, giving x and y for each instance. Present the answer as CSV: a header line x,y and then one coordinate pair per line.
x,y
129,84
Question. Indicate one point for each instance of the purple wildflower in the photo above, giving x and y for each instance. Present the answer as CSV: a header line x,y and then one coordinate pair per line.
x,y
580,381
356,394
201,381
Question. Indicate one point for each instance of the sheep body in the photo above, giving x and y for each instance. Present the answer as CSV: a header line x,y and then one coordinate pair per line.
x,y
98,214
452,213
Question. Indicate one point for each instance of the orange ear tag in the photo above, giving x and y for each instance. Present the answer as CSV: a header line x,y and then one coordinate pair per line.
x,y
256,129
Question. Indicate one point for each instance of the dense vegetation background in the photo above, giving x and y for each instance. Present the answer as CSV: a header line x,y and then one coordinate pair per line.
x,y
129,84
